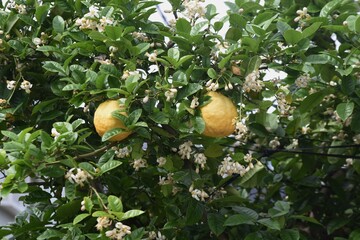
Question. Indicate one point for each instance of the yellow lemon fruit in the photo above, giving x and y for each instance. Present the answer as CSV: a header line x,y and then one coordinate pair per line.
x,y
219,115
104,121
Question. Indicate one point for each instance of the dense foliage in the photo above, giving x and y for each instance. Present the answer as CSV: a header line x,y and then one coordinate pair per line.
x,y
290,171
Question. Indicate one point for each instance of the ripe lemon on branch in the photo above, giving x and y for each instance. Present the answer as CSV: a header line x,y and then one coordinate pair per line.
x,y
105,121
219,115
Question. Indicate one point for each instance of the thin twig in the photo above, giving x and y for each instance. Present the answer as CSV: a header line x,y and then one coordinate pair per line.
x,y
100,150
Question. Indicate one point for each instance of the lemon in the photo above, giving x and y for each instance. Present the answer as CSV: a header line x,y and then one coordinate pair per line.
x,y
219,115
104,121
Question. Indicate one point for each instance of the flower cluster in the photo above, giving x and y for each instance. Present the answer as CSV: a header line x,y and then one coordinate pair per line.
x,y
282,103
93,21
139,163
302,14
185,150
119,232
200,160
294,144
193,9
123,152
140,36
80,177
152,57
102,222
240,130
170,94
158,236
302,81
166,180
229,167
25,85
252,82
198,194
55,133
212,86
161,161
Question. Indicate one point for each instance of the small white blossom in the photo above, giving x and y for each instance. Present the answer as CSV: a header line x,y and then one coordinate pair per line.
x,y
302,81
166,180
228,167
55,133
200,160
161,161
152,57
240,130
140,36
274,143
21,8
294,144
26,85
170,94
139,163
185,150
193,9
102,222
212,86
123,152
302,14
248,158
37,41
119,232
93,12
194,103
252,82
11,85
349,161
198,194
80,177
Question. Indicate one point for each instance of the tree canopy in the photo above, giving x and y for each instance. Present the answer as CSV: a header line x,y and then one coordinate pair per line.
x,y
289,170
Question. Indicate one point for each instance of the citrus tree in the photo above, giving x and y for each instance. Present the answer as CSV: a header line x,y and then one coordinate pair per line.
x,y
244,125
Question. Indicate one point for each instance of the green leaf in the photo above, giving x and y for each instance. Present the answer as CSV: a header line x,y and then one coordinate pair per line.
x,y
110,165
115,204
247,216
41,13
281,208
49,234
70,190
307,32
216,223
318,59
174,53
114,32
54,67
214,151
132,82
111,133
58,24
160,117
180,78
212,73
329,7
183,25
101,214
312,101
199,124
194,212
131,214
80,217
223,62
188,90
344,110
248,175
289,234
292,36
134,117
88,204
210,11
336,224
306,219
270,223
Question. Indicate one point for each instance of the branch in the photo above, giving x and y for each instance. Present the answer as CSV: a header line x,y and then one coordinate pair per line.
x,y
96,152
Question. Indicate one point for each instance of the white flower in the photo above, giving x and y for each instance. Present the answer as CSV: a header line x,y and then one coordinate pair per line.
x,y
349,161
302,81
139,163
140,36
193,9
302,14
161,161
21,8
11,85
80,177
248,158
185,150
123,152
240,130
166,180
274,143
26,85
228,167
37,41
102,222
152,57
93,12
293,145
194,103
200,159
198,194
170,94
252,82
55,133
356,139
212,86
